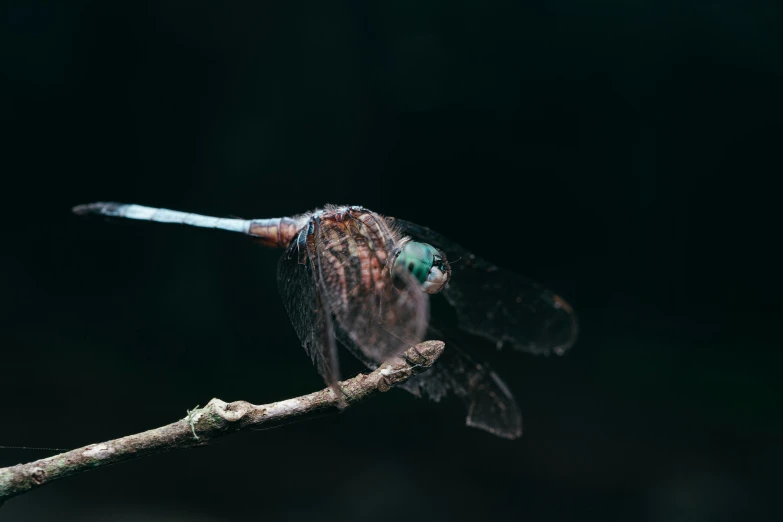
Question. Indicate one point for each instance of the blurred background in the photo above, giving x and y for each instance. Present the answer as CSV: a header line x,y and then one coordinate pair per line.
x,y
623,154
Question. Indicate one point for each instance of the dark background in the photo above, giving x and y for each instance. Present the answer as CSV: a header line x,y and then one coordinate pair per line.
x,y
625,154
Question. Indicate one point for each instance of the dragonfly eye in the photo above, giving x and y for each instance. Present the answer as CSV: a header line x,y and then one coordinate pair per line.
x,y
427,265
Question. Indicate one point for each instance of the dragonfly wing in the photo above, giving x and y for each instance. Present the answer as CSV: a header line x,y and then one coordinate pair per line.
x,y
381,318
498,304
491,406
303,299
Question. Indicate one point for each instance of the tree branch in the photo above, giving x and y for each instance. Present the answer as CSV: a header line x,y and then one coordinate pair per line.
x,y
216,419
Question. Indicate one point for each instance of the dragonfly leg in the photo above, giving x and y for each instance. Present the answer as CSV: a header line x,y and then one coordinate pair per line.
x,y
342,395
419,361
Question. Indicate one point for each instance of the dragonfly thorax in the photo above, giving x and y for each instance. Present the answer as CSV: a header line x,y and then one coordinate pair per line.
x,y
427,264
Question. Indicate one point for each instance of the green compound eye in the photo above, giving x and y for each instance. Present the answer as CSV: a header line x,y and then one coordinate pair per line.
x,y
417,258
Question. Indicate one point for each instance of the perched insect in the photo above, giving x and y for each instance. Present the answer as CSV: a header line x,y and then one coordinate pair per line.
x,y
354,276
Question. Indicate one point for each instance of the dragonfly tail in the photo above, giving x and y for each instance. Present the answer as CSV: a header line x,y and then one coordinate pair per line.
x,y
162,215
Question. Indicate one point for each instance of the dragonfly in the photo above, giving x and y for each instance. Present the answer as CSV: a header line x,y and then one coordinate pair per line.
x,y
354,277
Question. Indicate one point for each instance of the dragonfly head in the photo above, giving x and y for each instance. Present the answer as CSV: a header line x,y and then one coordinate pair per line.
x,y
427,264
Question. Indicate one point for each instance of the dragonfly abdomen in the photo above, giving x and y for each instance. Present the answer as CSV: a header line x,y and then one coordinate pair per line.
x,y
161,215
274,232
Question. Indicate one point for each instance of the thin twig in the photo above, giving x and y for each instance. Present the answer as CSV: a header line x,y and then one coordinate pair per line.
x,y
216,419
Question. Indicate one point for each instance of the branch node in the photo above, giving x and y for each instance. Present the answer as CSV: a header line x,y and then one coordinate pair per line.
x,y
38,476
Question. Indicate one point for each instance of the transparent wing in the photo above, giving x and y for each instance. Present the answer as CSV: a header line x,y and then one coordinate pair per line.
x,y
498,304
299,288
381,317
491,406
